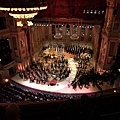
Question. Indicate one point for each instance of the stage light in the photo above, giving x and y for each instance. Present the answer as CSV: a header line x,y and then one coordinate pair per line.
x,y
6,80
115,91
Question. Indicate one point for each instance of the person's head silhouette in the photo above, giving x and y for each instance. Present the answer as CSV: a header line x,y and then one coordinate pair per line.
x,y
12,112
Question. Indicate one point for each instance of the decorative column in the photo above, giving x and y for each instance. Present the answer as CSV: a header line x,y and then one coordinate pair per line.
x,y
79,30
64,32
108,43
71,29
86,33
111,4
31,40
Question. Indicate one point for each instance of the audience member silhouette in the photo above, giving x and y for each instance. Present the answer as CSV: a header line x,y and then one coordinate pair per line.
x,y
12,112
68,110
89,108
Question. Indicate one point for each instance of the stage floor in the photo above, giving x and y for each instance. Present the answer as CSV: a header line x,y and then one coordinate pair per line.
x,y
62,86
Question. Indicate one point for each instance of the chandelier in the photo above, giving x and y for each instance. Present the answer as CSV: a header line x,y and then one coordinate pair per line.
x,y
23,10
74,37
58,36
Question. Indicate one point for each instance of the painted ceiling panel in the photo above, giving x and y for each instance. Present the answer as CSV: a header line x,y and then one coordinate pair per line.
x,y
73,9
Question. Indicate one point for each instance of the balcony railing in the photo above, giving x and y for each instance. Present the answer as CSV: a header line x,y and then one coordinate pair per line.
x,y
9,65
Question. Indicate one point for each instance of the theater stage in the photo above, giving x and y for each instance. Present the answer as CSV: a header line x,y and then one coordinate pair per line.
x,y
62,86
